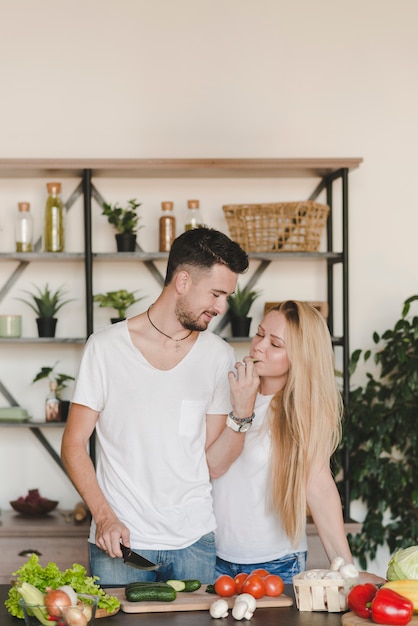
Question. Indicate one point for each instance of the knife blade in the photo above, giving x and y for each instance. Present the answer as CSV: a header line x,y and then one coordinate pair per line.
x,y
136,560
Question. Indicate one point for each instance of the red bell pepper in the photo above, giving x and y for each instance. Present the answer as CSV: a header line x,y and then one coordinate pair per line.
x,y
360,598
389,607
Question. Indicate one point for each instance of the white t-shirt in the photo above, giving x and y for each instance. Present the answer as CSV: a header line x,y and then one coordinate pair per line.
x,y
248,530
151,461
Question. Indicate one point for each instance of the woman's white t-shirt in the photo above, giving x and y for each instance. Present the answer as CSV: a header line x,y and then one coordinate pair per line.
x,y
151,432
248,531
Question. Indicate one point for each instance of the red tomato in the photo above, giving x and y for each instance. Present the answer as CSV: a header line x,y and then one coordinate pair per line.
x,y
260,572
239,581
274,585
254,585
225,586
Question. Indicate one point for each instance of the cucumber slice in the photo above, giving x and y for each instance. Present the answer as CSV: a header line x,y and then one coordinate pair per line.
x,y
178,585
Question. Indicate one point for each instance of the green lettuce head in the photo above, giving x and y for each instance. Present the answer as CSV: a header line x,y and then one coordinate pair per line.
x,y
404,565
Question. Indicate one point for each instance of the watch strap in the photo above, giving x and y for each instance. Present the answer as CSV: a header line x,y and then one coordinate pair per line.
x,y
241,420
238,428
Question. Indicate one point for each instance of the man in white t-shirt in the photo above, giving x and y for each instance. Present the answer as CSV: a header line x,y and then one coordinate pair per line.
x,y
155,388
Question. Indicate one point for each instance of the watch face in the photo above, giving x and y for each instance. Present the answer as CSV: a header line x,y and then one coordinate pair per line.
x,y
244,427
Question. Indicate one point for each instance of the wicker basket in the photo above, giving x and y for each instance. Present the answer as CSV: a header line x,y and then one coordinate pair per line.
x,y
280,227
325,594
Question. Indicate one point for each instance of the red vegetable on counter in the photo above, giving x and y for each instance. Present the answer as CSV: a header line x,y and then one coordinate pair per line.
x,y
360,598
389,607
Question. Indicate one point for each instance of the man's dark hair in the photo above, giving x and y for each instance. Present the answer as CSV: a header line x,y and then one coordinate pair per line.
x,y
202,248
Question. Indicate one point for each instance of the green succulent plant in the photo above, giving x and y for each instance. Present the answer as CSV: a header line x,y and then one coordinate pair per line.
x,y
125,220
119,300
45,302
241,301
51,374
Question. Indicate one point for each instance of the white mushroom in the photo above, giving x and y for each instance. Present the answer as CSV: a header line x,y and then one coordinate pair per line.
x,y
218,609
240,610
336,563
249,599
348,571
314,574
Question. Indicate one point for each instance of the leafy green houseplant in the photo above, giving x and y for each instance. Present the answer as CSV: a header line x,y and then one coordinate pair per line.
x,y
125,220
46,304
381,437
52,375
59,382
119,300
240,304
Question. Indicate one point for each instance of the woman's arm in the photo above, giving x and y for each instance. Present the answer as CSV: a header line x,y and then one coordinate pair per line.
x,y
325,506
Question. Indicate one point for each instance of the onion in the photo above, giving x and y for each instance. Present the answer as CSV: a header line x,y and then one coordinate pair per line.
x,y
55,600
74,616
71,593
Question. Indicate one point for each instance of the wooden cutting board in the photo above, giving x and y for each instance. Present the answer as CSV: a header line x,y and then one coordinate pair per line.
x,y
194,601
351,619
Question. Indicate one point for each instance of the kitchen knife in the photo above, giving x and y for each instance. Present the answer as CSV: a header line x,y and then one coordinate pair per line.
x,y
136,560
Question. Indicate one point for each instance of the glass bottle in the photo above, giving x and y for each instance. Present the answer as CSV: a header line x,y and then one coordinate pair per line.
x,y
54,220
52,404
24,228
194,217
167,226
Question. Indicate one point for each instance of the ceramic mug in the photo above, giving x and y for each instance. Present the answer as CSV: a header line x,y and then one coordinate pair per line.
x,y
10,325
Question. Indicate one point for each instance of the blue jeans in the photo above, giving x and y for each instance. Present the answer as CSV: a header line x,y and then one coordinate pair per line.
x,y
196,561
286,567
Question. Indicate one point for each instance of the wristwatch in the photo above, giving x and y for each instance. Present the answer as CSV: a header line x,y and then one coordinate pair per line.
x,y
238,427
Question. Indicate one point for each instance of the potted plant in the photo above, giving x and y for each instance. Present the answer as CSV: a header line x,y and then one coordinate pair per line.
x,y
46,305
125,221
240,304
59,381
119,300
380,438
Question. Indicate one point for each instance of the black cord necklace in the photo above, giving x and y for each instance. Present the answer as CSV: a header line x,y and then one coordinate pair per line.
x,y
165,334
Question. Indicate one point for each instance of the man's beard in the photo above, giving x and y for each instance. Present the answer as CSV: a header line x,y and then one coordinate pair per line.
x,y
188,320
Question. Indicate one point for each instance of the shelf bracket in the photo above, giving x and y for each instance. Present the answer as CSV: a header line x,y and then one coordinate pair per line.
x,y
45,443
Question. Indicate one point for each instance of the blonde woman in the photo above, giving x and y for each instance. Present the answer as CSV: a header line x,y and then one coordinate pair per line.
x,y
287,388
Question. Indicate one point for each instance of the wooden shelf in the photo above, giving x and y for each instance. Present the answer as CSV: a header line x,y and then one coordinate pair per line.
x,y
178,168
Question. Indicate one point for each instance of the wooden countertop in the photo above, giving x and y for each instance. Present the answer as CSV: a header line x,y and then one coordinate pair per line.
x,y
58,523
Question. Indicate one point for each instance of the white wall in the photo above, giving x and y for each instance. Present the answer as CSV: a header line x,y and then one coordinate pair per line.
x,y
211,78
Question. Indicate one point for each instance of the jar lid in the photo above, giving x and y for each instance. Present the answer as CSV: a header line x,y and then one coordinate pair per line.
x,y
193,204
53,187
167,206
23,206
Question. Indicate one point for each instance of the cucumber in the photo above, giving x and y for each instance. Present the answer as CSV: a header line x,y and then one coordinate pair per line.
x,y
192,584
178,585
144,592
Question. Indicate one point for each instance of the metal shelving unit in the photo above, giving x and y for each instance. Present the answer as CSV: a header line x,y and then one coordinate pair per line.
x,y
324,172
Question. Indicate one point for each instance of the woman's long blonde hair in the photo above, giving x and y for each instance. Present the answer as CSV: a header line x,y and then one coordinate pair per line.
x,y
305,416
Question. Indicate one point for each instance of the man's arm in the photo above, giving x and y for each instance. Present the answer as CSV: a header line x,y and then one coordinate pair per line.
x,y
224,445
80,469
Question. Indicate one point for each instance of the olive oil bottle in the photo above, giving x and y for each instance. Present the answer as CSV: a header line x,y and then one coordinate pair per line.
x,y
194,217
54,220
